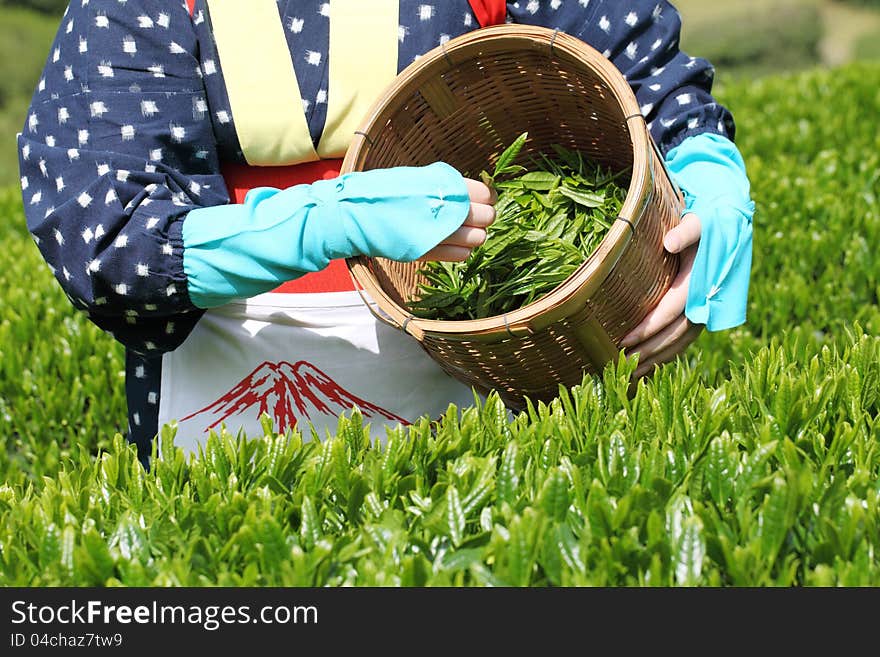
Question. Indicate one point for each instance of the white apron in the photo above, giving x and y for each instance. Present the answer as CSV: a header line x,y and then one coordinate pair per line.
x,y
303,359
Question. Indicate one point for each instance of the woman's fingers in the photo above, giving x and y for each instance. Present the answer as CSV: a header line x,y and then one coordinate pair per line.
x,y
682,239
458,246
661,340
686,233
482,209
480,215
670,307
480,193
467,236
447,253
670,352
666,332
472,232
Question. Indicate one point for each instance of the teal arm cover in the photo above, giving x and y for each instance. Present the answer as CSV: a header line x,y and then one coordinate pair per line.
x,y
241,250
712,175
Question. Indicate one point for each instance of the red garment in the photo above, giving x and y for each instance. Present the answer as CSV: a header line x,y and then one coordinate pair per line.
x,y
241,178
489,12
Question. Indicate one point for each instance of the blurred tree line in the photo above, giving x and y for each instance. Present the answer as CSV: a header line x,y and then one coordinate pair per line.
x,y
44,6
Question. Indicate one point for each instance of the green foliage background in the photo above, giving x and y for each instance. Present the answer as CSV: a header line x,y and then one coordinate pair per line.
x,y
24,48
864,3
754,37
752,461
50,7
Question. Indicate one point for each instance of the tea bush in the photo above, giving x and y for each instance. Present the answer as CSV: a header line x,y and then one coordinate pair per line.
x,y
753,460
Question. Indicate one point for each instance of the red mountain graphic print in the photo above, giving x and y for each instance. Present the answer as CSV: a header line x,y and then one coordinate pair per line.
x,y
288,393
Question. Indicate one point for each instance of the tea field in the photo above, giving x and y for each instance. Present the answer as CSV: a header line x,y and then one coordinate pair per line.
x,y
754,460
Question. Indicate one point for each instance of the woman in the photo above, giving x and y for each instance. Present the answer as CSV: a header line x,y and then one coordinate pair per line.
x,y
180,176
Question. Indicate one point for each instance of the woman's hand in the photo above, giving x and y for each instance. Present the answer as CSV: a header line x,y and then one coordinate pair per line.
x,y
665,331
472,233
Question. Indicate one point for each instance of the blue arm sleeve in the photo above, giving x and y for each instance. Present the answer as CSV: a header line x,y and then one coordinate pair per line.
x,y
240,250
711,173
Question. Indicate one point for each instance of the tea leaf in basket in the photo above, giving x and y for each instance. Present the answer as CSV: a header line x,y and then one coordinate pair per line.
x,y
549,219
587,199
509,155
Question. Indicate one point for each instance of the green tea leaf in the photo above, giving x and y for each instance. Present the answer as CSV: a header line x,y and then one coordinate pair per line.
x,y
455,518
586,199
510,153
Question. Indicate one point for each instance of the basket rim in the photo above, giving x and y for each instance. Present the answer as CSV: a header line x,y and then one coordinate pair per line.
x,y
587,278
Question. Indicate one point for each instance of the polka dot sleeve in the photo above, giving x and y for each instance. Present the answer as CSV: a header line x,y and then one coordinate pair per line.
x,y
116,149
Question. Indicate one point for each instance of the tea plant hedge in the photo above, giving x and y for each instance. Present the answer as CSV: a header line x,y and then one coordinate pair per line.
x,y
751,461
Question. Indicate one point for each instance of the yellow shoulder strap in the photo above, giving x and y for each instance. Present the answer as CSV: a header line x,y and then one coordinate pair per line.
x,y
263,91
363,61
261,82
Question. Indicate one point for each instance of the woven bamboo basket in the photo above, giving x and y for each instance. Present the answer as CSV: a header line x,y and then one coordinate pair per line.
x,y
463,103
